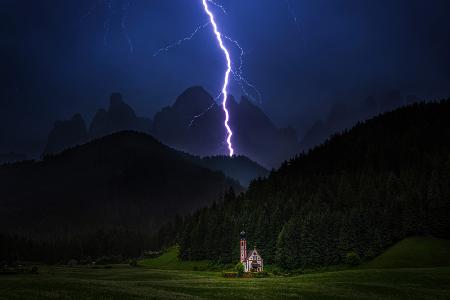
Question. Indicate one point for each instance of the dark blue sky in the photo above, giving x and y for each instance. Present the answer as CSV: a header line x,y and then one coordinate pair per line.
x,y
62,57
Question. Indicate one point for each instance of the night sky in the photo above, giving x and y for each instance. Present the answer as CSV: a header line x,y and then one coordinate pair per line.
x,y
61,57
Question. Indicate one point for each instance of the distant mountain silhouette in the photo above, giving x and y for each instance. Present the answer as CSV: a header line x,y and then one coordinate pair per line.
x,y
119,116
195,124
126,180
66,134
257,137
192,124
342,116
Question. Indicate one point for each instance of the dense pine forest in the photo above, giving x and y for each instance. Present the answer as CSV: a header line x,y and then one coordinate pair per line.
x,y
341,203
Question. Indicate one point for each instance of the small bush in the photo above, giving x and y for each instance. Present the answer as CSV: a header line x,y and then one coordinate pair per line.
x,y
72,263
133,263
239,269
352,258
230,274
113,259
86,261
152,254
34,270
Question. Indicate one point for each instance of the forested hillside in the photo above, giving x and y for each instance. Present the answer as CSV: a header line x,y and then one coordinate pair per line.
x,y
102,198
344,201
240,168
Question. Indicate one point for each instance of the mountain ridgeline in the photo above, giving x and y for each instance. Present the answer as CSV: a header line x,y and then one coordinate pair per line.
x,y
344,201
344,115
119,117
194,124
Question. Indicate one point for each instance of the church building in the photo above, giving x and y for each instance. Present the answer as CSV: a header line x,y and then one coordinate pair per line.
x,y
251,260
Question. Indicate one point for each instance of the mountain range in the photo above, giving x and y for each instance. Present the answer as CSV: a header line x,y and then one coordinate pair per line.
x,y
342,116
194,124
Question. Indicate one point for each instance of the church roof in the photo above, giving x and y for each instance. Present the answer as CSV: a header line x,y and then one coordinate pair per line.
x,y
250,253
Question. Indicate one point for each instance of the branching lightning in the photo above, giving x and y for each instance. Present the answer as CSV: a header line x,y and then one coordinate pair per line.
x,y
123,24
235,70
218,5
238,73
201,114
227,75
296,20
94,6
181,41
109,6
107,23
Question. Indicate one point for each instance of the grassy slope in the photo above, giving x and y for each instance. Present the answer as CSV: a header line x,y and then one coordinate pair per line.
x,y
414,252
156,279
123,282
170,261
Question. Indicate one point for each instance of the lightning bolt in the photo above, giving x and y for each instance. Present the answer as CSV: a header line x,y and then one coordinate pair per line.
x,y
238,73
227,75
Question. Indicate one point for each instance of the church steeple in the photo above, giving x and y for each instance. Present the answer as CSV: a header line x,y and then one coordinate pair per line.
x,y
243,244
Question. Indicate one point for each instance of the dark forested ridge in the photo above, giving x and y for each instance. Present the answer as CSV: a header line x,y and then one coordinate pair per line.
x,y
346,200
103,197
240,168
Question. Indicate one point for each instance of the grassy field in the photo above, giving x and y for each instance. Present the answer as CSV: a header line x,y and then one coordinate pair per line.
x,y
155,280
414,252
170,261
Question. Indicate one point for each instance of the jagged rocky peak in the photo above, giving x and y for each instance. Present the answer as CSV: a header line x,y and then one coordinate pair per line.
x,y
119,109
66,134
192,126
78,119
252,111
192,101
194,123
116,99
119,116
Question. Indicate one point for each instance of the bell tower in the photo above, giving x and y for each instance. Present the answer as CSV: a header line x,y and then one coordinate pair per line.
x,y
243,244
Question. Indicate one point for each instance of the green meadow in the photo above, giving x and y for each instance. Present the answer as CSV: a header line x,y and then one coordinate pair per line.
x,y
417,268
